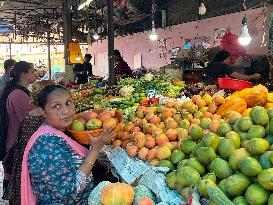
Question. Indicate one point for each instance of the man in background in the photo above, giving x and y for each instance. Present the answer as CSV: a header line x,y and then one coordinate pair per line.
x,y
83,71
8,64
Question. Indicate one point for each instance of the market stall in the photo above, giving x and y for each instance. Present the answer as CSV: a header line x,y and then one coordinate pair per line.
x,y
181,136
202,141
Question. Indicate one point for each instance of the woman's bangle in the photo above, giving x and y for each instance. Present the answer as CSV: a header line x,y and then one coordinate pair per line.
x,y
90,163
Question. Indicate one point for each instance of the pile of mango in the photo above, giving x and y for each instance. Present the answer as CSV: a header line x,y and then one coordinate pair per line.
x,y
224,142
237,158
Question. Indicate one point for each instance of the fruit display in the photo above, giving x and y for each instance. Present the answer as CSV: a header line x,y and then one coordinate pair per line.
x,y
165,84
220,145
223,146
85,97
92,122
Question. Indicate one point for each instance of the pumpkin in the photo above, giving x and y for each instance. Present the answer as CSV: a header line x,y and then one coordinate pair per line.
x,y
234,104
270,97
269,105
117,194
246,112
256,96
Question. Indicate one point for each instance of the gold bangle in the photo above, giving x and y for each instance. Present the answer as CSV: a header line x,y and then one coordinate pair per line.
x,y
92,163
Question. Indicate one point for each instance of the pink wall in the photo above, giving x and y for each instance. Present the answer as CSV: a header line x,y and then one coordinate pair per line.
x,y
140,43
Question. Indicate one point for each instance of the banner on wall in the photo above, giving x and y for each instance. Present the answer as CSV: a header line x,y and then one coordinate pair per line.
x,y
219,34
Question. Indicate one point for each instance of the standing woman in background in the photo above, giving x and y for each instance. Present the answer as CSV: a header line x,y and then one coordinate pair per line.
x,y
122,69
15,104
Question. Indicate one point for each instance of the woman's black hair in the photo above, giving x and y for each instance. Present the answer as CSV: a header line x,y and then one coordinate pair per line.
x,y
118,54
43,95
17,70
15,74
221,56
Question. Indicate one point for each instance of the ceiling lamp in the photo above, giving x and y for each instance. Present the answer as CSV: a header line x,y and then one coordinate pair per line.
x,y
96,36
84,4
244,38
202,9
153,35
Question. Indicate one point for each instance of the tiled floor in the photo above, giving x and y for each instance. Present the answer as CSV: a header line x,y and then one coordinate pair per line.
x,y
2,202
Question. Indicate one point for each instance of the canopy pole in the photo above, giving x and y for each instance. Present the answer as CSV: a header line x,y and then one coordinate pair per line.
x,y
10,50
48,54
111,42
67,35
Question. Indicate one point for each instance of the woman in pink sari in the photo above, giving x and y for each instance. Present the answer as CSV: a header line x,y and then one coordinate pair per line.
x,y
55,168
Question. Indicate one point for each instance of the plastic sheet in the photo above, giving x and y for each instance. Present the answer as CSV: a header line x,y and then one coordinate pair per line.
x,y
135,171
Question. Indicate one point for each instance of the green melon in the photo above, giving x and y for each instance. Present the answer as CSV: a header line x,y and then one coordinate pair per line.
x,y
236,156
211,140
237,184
205,155
187,176
221,168
235,138
250,166
265,160
244,124
240,200
171,180
256,131
260,117
225,148
265,179
256,195
194,163
257,146
223,129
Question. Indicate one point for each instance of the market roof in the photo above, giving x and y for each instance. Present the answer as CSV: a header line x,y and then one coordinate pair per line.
x,y
35,17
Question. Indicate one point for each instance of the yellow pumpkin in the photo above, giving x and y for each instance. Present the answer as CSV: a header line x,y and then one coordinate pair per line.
x,y
117,194
269,105
246,112
270,97
256,96
234,104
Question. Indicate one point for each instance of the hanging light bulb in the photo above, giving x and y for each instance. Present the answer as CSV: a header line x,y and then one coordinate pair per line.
x,y
202,9
244,38
153,35
78,58
96,36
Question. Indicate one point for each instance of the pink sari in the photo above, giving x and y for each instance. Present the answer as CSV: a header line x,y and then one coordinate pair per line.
x,y
27,195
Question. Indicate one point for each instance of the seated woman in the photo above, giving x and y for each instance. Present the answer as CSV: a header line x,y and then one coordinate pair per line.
x,y
220,69
121,67
55,168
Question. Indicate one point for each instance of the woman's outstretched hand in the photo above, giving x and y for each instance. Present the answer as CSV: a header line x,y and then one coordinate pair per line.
x,y
98,142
